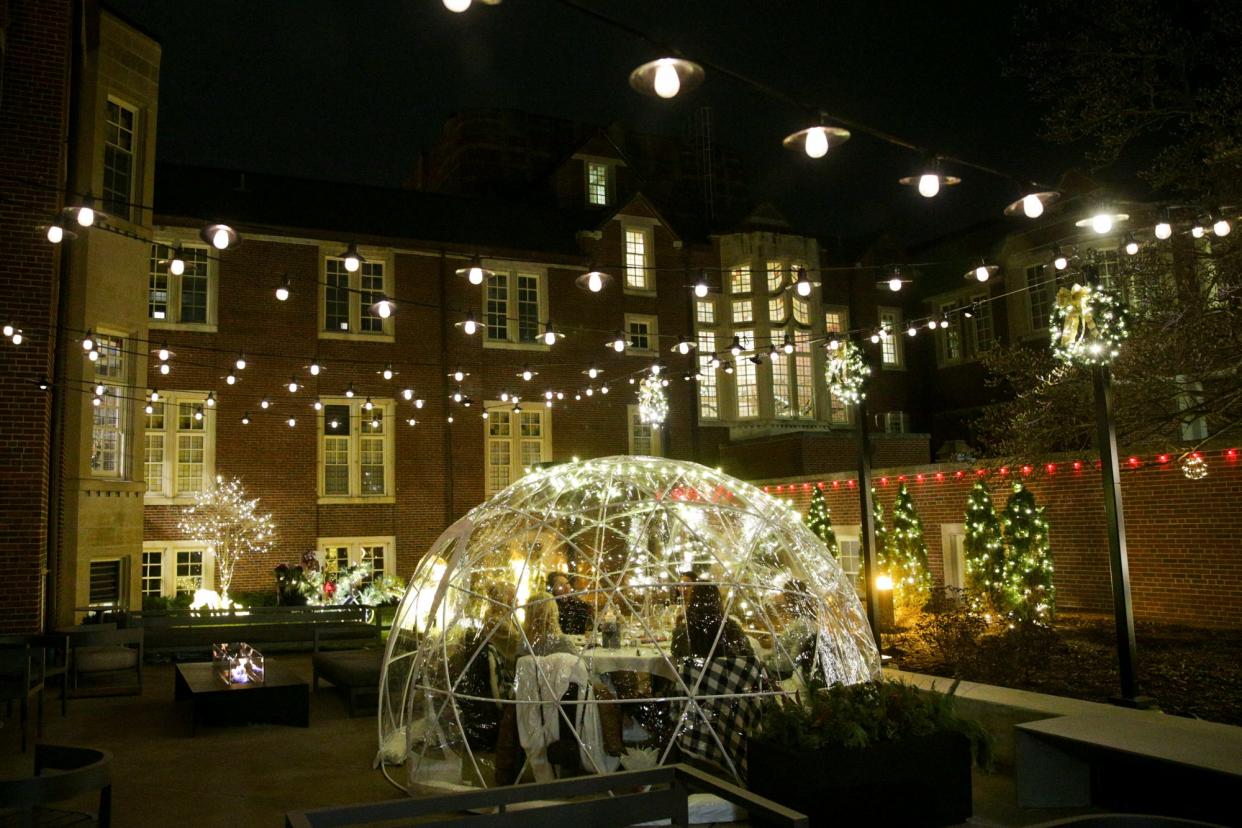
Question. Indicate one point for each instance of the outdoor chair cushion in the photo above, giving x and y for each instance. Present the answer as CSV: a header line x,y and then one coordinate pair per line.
x,y
105,659
350,668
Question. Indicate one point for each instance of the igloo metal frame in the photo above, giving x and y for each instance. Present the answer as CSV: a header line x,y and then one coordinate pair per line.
x,y
665,515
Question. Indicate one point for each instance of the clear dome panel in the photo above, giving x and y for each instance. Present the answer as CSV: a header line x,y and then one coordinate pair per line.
x,y
611,613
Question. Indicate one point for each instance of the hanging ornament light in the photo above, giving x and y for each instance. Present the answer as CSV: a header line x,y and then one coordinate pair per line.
x,y
666,77
931,180
845,371
1194,467
652,401
1087,325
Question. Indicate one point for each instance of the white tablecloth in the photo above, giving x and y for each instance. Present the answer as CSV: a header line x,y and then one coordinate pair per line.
x,y
643,659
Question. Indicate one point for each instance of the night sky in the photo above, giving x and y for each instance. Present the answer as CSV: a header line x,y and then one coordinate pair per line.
x,y
352,90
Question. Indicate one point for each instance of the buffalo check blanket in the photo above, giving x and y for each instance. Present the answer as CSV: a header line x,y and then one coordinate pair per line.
x,y
715,729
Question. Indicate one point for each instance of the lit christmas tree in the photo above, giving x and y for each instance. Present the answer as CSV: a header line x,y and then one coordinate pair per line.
x,y
985,552
228,524
881,536
905,554
1028,559
819,520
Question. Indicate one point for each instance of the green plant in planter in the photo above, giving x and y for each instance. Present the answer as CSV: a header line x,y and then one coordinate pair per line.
x,y
856,716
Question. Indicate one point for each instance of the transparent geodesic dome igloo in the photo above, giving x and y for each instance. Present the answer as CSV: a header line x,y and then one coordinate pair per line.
x,y
610,613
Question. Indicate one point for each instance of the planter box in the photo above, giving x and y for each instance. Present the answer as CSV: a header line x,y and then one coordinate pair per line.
x,y
923,781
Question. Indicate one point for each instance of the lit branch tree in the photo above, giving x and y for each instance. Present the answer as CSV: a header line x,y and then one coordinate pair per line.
x,y
905,558
985,550
1155,86
819,521
227,523
1029,591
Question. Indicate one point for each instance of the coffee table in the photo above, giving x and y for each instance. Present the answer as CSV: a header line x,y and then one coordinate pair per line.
x,y
282,698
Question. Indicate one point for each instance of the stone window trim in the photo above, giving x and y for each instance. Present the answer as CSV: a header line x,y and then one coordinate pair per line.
x,y
512,340
358,547
167,552
375,255
652,324
170,432
355,437
513,439
165,245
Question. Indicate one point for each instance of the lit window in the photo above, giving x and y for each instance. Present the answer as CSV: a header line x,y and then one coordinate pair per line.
x,y
516,442
109,417
118,160
890,345
171,568
782,392
776,276
349,299
793,379
778,310
189,572
802,311
339,553
709,405
597,183
637,259
356,450
152,573
179,450
644,437
739,279
643,332
745,378
514,307
836,319
180,300
742,311
705,312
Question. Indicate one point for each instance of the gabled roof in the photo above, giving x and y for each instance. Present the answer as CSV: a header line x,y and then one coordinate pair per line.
x,y
637,205
280,203
599,145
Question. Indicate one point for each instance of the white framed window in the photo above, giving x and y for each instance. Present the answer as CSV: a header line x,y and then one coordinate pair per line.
x,y
739,279
709,394
110,418
836,319
596,183
120,150
644,439
356,451
951,345
643,331
171,568
1041,289
801,310
793,379
850,548
179,446
348,299
890,345
514,442
778,309
337,553
743,311
896,422
638,259
184,301
515,303
982,335
705,312
745,378
776,276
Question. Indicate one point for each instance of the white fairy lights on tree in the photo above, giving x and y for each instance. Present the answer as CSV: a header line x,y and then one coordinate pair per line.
x,y
652,401
229,524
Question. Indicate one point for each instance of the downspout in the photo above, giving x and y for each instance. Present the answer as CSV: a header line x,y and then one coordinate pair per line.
x,y
444,392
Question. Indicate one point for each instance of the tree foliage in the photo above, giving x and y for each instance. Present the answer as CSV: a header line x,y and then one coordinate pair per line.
x,y
228,524
819,521
985,550
1028,587
904,556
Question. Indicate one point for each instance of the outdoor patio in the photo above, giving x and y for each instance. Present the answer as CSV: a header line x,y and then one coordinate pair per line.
x,y
253,775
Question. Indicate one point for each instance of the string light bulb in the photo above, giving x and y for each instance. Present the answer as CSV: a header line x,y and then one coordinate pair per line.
x,y
735,347
931,180
165,368
549,335
349,391
1102,221
816,140
1163,230
353,259
1032,203
282,292
592,372
593,280
292,422
666,77
265,403
17,339
163,353
618,342
469,327
527,375
315,368
788,346
387,373
419,402
701,287
912,331
684,345
293,385
198,414
982,272
230,378
245,418
86,212
803,285
407,393
155,395
383,308
457,6
88,341
176,265
1059,261
219,236
211,399
474,272
714,360
1132,246
1221,227
240,363
57,232
458,375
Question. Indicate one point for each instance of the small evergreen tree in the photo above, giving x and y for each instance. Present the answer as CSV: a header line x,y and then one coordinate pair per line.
x,y
985,552
906,553
819,521
1029,591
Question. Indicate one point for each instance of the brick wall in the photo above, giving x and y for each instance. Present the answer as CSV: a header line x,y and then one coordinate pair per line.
x,y
32,133
1182,535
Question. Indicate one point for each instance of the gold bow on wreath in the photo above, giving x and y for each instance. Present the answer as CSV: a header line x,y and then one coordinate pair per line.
x,y
1078,320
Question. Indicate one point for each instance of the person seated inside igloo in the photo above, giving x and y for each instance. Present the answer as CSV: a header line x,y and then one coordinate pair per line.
x,y
576,615
695,635
542,627
796,634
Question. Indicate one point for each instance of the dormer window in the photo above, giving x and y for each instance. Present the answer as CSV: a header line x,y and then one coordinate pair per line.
x,y
596,184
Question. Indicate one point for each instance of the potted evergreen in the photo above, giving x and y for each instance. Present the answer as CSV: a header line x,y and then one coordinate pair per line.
x,y
877,752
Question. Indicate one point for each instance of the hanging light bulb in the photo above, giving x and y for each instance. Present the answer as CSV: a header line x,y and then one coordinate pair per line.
x,y
100,390
198,414
982,272
292,422
788,346
803,285
469,326
1033,202
592,372
457,6
931,180
155,395
912,331
219,236
387,373
728,367
317,404
683,346
353,259
549,334
246,418
148,408
349,391
1163,230
408,393
527,375
1197,231
419,402
701,287
93,356
96,401
176,265
17,340
593,280
56,232
590,392
88,341
458,375
412,422
457,396
1221,227
656,368
1032,206
383,308
315,368
714,360
1132,246
618,342
735,347
86,212
165,368
163,353
211,399
603,389
1101,223
474,272
7,330
241,362
931,324
265,403
894,284
230,378
815,141
293,385
875,337
282,292
666,77
1059,261
504,396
